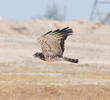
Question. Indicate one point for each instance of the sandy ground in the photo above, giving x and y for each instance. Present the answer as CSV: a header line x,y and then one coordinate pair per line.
x,y
23,77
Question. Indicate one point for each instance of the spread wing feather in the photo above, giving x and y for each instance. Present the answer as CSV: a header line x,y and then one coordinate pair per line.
x,y
52,43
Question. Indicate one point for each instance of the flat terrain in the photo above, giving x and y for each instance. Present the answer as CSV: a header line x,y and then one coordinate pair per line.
x,y
23,77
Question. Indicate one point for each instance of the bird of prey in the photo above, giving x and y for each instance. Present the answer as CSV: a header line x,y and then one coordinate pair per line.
x,y
52,45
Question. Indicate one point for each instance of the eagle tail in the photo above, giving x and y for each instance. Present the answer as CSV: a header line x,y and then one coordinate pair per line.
x,y
70,60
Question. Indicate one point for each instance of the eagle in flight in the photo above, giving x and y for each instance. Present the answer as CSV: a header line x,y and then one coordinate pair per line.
x,y
52,45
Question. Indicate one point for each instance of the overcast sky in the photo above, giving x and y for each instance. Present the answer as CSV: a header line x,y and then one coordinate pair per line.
x,y
27,9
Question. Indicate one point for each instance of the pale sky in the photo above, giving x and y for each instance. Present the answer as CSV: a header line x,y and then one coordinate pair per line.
x,y
27,9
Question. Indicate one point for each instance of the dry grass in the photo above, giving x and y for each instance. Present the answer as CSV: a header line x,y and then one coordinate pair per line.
x,y
51,92
23,77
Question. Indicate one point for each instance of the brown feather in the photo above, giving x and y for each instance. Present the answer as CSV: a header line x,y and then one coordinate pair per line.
x,y
52,43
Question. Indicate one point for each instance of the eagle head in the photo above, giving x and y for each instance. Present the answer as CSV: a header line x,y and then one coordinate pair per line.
x,y
39,55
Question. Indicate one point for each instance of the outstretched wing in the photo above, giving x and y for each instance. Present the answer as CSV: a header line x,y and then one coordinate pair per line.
x,y
52,43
